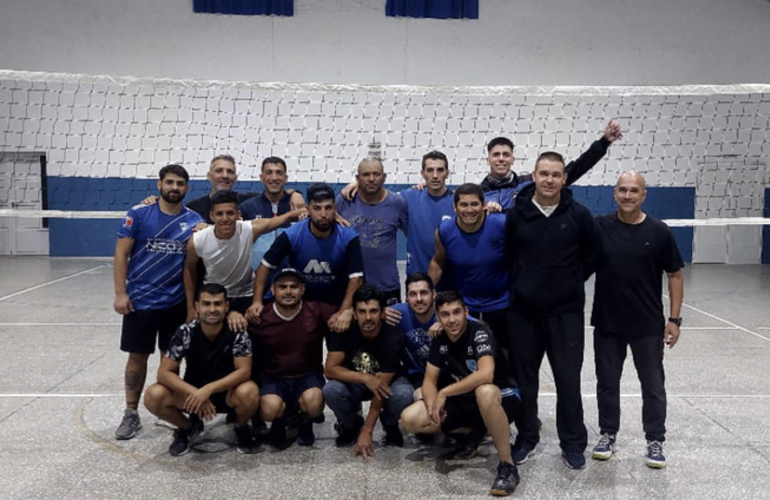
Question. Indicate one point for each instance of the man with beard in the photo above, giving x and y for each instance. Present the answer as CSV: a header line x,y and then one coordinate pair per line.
x,y
502,185
377,214
225,249
364,363
216,379
326,253
289,344
466,387
550,243
149,293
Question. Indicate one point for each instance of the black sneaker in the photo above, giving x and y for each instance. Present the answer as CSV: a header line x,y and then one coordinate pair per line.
x,y
506,481
246,442
305,435
468,447
347,436
655,458
521,453
573,459
276,436
258,427
181,443
393,437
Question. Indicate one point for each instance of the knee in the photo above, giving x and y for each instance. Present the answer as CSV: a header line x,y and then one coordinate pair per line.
x,y
487,394
155,397
246,394
312,401
335,390
271,407
413,418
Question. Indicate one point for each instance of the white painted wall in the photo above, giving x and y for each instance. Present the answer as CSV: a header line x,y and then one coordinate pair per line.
x,y
548,42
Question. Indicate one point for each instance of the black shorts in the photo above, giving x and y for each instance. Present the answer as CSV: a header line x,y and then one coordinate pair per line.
x,y
240,304
140,328
463,412
219,400
290,389
416,380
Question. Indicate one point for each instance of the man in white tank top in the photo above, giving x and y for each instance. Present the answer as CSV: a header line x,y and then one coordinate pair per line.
x,y
225,249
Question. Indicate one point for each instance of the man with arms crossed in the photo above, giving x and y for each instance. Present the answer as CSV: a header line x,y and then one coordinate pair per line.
x,y
288,341
376,214
364,363
635,251
225,249
148,263
327,254
216,379
550,243
466,386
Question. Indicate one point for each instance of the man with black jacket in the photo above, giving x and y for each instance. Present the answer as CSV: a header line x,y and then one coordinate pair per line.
x,y
503,185
550,242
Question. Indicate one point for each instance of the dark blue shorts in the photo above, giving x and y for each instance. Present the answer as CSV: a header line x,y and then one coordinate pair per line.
x,y
463,411
290,389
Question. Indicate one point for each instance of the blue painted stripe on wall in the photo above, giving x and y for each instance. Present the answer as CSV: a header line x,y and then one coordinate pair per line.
x,y
96,237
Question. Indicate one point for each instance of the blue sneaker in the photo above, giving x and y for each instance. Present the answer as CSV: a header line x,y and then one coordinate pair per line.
x,y
604,448
521,453
655,457
574,459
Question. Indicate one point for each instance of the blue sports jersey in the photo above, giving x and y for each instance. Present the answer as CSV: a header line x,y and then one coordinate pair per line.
x,y
426,212
259,207
326,264
478,260
156,262
506,197
416,339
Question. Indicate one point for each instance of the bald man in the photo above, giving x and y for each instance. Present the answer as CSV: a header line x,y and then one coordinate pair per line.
x,y
635,250
377,214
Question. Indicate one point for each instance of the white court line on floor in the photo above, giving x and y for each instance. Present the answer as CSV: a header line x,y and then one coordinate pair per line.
x,y
20,292
730,323
51,395
60,324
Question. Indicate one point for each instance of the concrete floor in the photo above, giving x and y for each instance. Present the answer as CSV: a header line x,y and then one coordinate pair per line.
x,y
61,399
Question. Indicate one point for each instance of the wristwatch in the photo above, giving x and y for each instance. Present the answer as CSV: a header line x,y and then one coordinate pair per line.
x,y
676,321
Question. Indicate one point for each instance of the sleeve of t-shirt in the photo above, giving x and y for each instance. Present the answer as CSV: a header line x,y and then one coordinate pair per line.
x,y
672,259
403,213
483,343
278,251
354,262
129,225
390,359
342,204
336,342
179,344
242,345
246,210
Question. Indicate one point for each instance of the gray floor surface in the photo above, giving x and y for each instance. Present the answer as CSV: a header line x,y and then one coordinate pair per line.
x,y
61,399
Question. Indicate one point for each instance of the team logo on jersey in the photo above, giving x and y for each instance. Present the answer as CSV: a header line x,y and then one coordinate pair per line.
x,y
471,364
470,351
316,267
128,221
443,349
184,226
445,217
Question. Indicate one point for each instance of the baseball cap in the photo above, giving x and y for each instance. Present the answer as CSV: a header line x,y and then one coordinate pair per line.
x,y
320,191
288,271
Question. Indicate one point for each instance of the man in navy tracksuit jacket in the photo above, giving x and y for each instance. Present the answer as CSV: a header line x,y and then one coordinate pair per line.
x,y
550,243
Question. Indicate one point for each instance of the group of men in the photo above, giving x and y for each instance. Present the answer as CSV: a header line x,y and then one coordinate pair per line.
x,y
462,361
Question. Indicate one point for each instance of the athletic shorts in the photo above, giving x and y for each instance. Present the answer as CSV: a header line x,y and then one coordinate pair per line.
x,y
416,380
219,400
290,389
141,328
463,411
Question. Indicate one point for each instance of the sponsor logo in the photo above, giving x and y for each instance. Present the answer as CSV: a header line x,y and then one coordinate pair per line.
x,y
184,226
470,351
443,349
316,267
128,221
483,348
481,337
161,245
471,364
445,217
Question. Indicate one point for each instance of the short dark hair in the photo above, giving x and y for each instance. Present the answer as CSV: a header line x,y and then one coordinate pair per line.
x,y
222,157
366,293
447,297
469,188
434,155
551,156
221,197
274,160
175,170
320,191
499,141
417,277
211,289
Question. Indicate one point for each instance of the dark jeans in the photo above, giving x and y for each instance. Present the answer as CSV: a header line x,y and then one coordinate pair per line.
x,y
345,401
562,339
610,353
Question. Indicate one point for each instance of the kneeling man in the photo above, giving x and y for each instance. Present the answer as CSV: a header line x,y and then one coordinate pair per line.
x,y
217,375
466,386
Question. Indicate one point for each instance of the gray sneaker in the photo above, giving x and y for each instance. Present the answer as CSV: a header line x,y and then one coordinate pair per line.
x,y
129,426
605,447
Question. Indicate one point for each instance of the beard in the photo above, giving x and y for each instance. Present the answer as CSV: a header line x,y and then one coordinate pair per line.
x,y
172,197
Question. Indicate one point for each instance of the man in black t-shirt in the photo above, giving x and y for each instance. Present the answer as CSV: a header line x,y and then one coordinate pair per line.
x,y
466,386
635,251
365,363
216,379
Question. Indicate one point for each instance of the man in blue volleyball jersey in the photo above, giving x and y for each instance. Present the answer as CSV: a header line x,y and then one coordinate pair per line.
x,y
327,254
149,293
472,243
502,185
